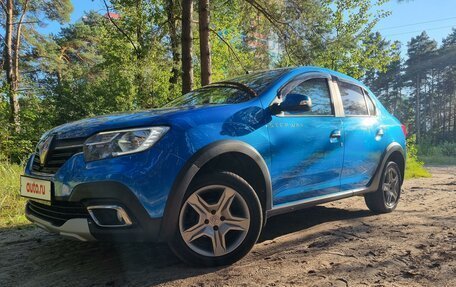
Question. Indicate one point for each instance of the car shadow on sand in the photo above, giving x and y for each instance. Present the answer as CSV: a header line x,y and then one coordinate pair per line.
x,y
52,260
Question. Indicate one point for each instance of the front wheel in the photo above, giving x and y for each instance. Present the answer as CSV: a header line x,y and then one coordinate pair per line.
x,y
219,221
386,198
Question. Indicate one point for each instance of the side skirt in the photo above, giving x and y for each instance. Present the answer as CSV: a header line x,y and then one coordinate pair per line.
x,y
309,202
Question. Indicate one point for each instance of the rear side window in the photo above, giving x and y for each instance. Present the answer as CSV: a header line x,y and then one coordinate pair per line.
x,y
353,100
370,104
318,91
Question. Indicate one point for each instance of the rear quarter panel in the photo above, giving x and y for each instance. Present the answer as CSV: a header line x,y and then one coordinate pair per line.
x,y
392,126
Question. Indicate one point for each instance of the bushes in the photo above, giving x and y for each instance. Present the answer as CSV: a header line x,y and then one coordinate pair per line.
x,y
444,154
448,149
11,203
15,147
414,167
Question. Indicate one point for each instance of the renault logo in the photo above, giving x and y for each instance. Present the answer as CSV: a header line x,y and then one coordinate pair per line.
x,y
43,149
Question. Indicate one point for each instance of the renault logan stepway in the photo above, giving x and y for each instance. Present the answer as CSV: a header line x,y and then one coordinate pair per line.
x,y
206,172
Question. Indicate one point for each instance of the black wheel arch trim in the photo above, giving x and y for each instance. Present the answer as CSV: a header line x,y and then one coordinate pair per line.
x,y
390,149
191,168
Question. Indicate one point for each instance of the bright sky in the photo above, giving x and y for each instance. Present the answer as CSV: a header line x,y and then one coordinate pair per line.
x,y
408,19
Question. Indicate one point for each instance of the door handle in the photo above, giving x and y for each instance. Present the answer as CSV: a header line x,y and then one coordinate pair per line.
x,y
379,134
335,136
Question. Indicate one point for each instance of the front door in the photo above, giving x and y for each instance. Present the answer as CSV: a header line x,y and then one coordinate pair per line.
x,y
306,146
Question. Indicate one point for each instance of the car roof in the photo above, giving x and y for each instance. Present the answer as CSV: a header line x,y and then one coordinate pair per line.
x,y
303,69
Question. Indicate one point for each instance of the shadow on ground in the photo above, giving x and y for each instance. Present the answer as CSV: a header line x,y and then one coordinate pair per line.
x,y
52,260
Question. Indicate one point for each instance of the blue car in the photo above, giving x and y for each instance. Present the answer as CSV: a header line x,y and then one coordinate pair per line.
x,y
206,172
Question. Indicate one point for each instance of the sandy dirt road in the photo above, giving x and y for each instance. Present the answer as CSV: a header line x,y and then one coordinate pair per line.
x,y
336,244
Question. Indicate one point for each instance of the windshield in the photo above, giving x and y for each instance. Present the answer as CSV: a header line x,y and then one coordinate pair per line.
x,y
227,93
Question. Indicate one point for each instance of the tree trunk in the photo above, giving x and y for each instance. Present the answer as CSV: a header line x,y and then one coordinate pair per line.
x,y
429,122
9,67
174,39
396,100
143,93
187,38
17,46
205,49
417,110
139,30
448,123
454,116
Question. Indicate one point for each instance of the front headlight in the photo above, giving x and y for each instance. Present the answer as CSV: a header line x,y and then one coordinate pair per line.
x,y
116,143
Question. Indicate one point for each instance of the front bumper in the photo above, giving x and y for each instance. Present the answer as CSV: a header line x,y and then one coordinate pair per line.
x,y
71,219
76,228
149,176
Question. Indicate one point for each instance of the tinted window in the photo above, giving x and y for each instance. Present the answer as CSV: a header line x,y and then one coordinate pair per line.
x,y
370,104
211,96
258,81
352,99
317,90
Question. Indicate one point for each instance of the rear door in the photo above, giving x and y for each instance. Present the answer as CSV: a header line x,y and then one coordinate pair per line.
x,y
306,146
361,133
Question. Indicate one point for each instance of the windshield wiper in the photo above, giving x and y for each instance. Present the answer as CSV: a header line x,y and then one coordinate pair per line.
x,y
236,85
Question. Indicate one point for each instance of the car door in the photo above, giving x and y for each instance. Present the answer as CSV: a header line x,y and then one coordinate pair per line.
x,y
306,146
361,135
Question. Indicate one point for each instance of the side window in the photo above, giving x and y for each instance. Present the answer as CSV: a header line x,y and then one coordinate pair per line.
x,y
318,92
352,100
370,104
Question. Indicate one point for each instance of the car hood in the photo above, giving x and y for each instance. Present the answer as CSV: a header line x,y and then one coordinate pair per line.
x,y
90,126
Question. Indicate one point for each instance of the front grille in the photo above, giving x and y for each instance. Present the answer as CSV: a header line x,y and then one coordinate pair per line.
x,y
57,213
59,152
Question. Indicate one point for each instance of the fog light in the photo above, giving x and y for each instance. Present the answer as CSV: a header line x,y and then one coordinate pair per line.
x,y
109,216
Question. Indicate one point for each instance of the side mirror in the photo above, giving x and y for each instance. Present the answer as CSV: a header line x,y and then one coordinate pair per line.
x,y
293,103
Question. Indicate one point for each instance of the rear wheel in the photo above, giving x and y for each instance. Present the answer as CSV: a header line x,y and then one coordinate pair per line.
x,y
386,198
219,221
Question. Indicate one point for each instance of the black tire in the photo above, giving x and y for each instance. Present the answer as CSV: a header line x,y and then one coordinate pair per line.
x,y
378,201
235,182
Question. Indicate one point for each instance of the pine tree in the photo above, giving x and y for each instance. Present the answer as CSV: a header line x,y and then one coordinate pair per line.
x,y
421,50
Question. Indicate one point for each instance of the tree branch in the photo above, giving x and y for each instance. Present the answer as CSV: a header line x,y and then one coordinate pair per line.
x,y
231,49
120,29
4,6
26,22
263,11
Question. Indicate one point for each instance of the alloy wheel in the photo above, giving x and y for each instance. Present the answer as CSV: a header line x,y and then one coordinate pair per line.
x,y
391,187
214,220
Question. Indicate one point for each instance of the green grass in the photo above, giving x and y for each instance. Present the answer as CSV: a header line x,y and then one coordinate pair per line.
x,y
438,159
11,204
437,154
415,169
